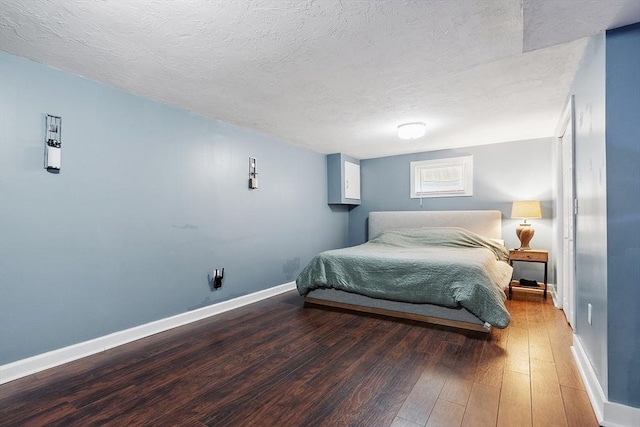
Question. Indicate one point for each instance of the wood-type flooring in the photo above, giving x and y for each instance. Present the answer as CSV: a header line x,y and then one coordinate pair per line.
x,y
277,363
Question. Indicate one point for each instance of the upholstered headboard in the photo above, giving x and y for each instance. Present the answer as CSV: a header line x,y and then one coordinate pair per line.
x,y
485,223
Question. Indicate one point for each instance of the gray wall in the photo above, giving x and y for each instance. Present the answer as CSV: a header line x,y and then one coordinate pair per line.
x,y
149,200
502,173
623,213
591,192
607,100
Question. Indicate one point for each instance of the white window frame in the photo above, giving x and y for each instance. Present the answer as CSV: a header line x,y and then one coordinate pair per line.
x,y
463,166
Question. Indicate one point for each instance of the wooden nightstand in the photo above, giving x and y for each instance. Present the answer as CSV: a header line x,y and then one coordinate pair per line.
x,y
531,255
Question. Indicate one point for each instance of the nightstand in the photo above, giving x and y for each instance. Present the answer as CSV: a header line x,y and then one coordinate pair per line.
x,y
531,255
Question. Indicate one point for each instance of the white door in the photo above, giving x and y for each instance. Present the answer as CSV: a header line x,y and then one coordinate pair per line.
x,y
568,224
351,181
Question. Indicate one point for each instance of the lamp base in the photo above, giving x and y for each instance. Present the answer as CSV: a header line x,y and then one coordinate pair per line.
x,y
525,234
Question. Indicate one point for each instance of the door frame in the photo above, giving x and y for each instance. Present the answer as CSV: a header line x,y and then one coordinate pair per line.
x,y
565,262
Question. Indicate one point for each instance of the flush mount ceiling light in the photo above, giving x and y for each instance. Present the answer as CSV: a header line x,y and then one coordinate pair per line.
x,y
411,130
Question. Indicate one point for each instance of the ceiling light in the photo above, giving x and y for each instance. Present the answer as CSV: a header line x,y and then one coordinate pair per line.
x,y
411,130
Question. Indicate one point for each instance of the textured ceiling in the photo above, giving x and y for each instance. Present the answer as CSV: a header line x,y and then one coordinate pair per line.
x,y
330,75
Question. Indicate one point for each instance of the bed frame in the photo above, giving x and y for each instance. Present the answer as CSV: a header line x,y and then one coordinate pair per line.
x,y
486,223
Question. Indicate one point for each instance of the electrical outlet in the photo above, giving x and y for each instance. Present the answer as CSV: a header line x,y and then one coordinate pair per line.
x,y
589,313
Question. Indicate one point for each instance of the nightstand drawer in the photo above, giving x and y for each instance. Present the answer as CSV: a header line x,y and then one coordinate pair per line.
x,y
533,255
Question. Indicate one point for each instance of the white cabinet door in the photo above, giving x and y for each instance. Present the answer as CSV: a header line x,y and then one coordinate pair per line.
x,y
351,180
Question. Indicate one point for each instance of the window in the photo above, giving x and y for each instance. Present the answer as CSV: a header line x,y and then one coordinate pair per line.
x,y
450,177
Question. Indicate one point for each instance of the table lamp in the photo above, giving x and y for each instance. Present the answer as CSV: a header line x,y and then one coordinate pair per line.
x,y
525,209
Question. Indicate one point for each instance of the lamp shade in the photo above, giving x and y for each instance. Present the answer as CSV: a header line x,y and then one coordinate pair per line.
x,y
526,209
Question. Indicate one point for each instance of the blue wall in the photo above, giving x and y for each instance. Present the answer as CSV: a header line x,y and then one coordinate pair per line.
x,y
623,213
502,173
149,200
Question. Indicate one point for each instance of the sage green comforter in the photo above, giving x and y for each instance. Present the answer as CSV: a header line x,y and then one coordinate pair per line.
x,y
446,266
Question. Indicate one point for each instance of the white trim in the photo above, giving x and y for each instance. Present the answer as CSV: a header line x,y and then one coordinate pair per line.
x,y
589,378
554,296
567,113
564,195
608,414
40,362
552,291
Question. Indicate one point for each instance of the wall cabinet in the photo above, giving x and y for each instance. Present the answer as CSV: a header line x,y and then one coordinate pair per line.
x,y
343,180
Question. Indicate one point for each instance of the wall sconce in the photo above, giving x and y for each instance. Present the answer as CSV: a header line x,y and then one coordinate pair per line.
x,y
253,173
216,280
525,209
52,143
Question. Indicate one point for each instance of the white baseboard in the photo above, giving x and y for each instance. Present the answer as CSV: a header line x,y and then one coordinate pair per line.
x,y
609,414
40,362
554,296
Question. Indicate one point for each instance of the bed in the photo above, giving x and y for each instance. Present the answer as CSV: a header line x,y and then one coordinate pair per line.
x,y
439,267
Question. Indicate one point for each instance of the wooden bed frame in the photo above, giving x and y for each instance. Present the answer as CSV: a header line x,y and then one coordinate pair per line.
x,y
486,223
443,321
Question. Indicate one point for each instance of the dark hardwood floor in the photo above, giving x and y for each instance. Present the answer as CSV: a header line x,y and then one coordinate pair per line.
x,y
276,363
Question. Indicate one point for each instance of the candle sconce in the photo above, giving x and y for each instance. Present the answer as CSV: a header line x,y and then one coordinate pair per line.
x,y
52,143
215,281
253,173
